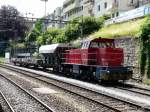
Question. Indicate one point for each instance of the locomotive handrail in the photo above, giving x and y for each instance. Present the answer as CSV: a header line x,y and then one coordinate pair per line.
x,y
110,59
79,59
91,53
93,59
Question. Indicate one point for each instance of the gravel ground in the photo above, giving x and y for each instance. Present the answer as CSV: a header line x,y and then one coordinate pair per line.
x,y
1,109
3,105
62,101
19,100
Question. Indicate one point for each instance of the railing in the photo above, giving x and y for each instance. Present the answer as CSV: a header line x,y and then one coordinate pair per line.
x,y
129,15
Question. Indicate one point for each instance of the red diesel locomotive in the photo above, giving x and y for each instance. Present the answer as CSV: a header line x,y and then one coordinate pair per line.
x,y
96,59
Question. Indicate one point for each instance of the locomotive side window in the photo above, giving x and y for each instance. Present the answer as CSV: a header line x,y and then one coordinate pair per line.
x,y
85,45
102,44
94,45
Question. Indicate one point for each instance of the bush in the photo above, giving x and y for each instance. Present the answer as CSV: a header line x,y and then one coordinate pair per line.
x,y
82,26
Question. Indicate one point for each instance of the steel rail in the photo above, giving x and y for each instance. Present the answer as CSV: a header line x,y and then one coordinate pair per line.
x,y
9,105
135,91
32,96
124,101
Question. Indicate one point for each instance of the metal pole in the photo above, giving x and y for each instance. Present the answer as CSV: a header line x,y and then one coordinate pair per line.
x,y
82,27
45,8
45,5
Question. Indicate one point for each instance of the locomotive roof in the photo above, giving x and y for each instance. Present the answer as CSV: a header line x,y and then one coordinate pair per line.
x,y
99,40
102,40
44,49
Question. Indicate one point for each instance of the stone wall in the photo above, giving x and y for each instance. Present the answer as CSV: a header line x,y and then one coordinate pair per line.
x,y
131,51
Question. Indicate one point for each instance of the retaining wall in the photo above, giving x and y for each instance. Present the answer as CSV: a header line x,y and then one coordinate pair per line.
x,y
131,52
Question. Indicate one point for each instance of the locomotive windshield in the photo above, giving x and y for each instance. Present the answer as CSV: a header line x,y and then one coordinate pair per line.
x,y
102,44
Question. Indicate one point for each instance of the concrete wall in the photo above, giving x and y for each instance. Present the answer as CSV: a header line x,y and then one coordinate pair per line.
x,y
131,51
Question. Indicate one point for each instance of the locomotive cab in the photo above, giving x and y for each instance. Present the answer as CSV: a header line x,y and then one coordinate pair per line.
x,y
101,52
98,43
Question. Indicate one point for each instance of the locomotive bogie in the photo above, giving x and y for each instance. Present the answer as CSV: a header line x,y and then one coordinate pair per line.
x,y
113,73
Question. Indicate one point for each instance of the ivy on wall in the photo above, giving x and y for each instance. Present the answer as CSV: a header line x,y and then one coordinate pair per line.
x,y
145,48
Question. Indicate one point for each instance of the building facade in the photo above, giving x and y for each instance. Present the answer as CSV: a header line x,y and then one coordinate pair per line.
x,y
88,6
117,7
72,9
76,8
113,7
55,18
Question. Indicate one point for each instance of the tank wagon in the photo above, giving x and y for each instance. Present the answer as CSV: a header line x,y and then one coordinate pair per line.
x,y
97,59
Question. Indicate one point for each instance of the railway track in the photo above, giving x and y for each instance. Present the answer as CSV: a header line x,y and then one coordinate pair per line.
x,y
14,103
135,89
111,103
8,106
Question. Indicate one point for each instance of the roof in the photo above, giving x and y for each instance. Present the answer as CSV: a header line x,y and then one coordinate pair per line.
x,y
99,40
102,40
44,49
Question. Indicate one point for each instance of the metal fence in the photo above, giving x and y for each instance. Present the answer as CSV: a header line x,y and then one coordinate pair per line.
x,y
129,15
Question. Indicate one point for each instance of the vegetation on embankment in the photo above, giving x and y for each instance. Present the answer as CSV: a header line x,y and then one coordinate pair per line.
x,y
130,28
2,59
147,81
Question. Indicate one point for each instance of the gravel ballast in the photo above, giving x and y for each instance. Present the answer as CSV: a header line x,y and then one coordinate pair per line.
x,y
19,100
62,101
3,105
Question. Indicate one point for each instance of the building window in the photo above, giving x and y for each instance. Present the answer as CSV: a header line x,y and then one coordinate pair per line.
x,y
99,8
82,7
105,5
113,15
117,13
131,1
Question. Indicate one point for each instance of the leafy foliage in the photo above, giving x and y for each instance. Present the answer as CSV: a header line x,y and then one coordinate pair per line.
x,y
32,36
145,48
48,36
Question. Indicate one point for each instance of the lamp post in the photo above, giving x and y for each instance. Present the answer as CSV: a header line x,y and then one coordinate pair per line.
x,y
82,26
45,5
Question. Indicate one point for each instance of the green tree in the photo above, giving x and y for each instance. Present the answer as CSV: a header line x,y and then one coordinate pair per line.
x,y
32,36
48,36
36,32
82,26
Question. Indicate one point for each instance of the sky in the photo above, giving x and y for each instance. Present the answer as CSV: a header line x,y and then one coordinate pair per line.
x,y
37,7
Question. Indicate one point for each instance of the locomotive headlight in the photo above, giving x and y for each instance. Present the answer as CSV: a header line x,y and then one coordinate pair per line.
x,y
129,69
108,72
